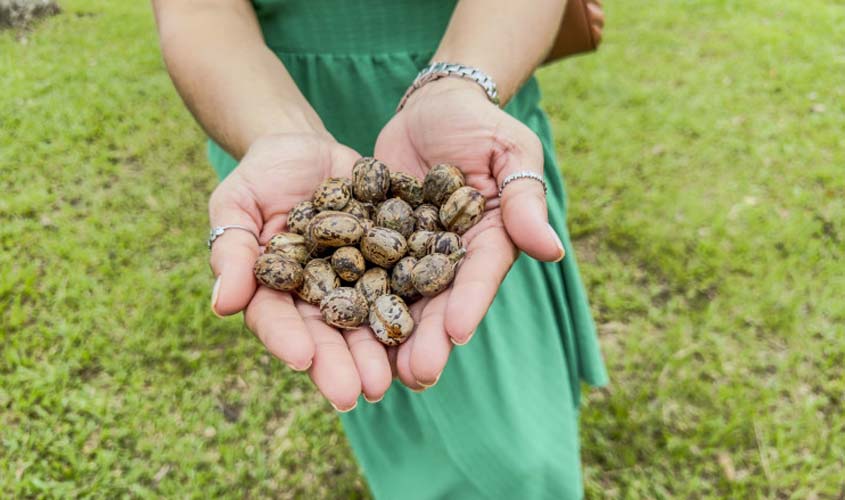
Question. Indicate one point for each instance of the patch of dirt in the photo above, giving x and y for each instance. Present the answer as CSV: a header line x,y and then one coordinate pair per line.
x,y
21,13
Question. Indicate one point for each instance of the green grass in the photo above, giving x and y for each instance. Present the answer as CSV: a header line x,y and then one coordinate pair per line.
x,y
705,158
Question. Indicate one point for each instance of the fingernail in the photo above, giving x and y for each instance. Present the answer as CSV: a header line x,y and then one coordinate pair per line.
x,y
465,342
214,292
346,410
310,362
561,250
373,401
431,384
418,390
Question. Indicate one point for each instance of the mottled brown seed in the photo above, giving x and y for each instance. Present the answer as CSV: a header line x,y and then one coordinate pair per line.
x,y
418,243
278,272
289,245
318,279
315,250
433,273
391,320
401,281
373,284
407,187
344,307
396,214
348,263
300,216
357,209
332,194
335,229
444,242
427,218
383,247
370,180
440,182
462,210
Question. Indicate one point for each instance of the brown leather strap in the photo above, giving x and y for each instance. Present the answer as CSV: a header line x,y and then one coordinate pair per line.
x,y
575,35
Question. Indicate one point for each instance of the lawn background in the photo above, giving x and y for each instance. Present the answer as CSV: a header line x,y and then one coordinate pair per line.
x,y
705,157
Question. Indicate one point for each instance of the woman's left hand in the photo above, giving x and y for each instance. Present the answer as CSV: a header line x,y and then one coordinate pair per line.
x,y
451,121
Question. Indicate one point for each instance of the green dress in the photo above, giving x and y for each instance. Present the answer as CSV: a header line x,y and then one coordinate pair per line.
x,y
503,420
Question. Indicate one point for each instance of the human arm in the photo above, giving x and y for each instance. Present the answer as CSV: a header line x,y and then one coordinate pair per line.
x,y
451,120
237,89
244,98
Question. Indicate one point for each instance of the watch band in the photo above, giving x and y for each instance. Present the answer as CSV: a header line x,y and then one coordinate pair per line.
x,y
437,70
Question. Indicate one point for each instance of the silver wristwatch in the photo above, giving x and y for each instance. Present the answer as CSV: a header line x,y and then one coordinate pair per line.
x,y
437,70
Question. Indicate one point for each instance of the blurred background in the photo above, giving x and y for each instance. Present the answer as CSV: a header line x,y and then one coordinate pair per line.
x,y
704,152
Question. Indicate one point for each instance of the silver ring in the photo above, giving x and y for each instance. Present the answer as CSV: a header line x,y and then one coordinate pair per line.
x,y
218,231
525,174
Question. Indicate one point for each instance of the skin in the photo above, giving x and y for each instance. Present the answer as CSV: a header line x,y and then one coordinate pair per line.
x,y
251,106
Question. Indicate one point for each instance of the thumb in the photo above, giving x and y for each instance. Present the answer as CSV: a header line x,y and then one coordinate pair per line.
x,y
233,254
523,200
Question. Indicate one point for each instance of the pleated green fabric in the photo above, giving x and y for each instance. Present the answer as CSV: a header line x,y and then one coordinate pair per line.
x,y
503,420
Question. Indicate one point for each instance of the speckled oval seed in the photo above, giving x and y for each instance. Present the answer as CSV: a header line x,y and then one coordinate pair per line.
x,y
278,272
344,307
418,243
427,218
335,229
357,209
433,273
401,281
370,180
315,250
440,182
348,263
300,216
407,187
332,194
289,245
391,320
444,242
396,214
318,279
383,247
373,284
463,209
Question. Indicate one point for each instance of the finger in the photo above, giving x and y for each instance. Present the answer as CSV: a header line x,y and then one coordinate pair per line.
x,y
403,365
371,362
273,317
490,255
432,346
234,252
333,370
274,225
523,201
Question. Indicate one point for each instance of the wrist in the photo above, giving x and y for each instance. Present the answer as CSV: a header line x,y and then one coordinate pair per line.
x,y
447,86
290,123
457,76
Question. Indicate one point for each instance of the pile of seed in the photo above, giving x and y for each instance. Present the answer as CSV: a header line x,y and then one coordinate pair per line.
x,y
364,248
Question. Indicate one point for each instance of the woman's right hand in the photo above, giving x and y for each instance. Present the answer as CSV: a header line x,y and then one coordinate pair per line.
x,y
277,172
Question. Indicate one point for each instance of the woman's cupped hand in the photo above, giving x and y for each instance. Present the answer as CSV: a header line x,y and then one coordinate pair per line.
x,y
451,121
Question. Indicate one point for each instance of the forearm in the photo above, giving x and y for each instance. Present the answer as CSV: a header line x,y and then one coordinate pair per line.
x,y
505,39
237,89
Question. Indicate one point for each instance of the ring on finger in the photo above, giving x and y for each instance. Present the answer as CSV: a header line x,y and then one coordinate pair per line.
x,y
218,231
525,174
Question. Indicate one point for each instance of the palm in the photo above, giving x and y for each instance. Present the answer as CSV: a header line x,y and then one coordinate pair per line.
x,y
276,174
455,131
